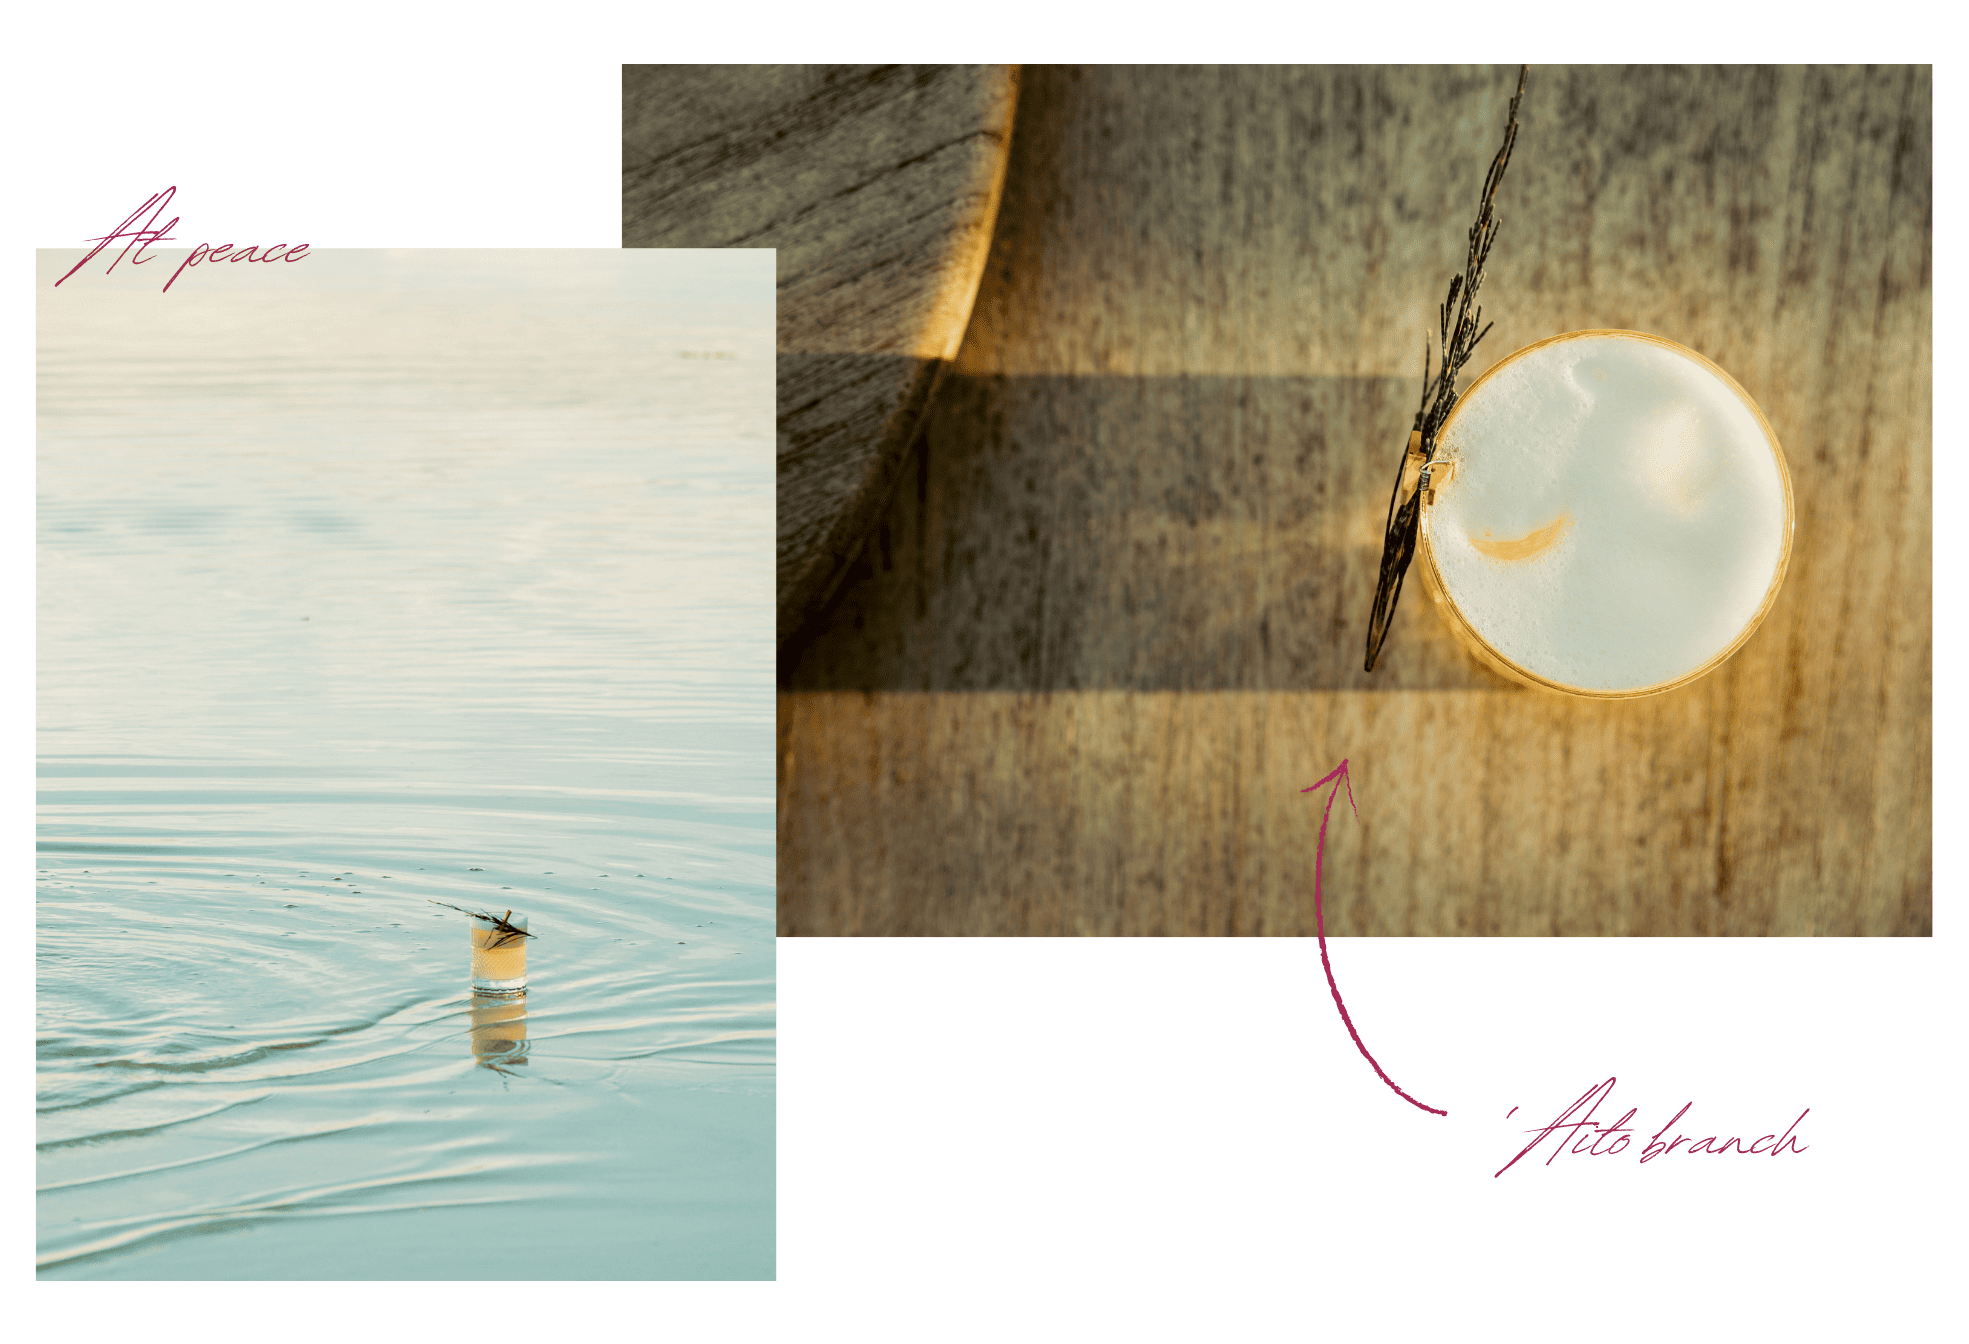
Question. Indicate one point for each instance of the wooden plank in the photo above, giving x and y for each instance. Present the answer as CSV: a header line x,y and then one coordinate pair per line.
x,y
1112,621
878,186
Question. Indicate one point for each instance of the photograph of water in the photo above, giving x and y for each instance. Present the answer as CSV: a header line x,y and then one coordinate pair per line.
x,y
371,589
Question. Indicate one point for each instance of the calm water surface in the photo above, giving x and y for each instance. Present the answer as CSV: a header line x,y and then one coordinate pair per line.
x,y
382,578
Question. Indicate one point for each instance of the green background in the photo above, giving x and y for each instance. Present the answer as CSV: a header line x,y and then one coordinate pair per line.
x,y
1007,1140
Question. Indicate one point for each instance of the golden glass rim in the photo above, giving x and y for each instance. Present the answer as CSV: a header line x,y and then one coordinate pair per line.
x,y
1461,624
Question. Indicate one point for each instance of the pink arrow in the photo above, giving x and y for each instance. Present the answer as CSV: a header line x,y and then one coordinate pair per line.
x,y
1339,776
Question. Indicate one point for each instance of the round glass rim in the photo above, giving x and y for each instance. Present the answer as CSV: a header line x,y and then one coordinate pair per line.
x,y
1461,624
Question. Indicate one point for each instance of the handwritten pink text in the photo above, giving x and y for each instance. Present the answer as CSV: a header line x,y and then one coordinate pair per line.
x,y
1578,1133
152,232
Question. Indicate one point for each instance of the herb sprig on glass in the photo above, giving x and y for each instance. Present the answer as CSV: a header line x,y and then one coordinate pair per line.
x,y
1459,341
508,933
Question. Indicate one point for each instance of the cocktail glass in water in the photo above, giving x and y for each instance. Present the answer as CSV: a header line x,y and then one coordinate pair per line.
x,y
498,956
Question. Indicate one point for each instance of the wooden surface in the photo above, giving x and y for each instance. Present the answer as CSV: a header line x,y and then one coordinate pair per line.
x,y
878,186
1112,622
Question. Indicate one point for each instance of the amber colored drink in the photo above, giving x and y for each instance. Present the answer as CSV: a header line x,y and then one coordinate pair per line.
x,y
498,958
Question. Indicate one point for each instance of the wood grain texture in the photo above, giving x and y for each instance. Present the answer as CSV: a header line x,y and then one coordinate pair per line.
x,y
1112,620
877,185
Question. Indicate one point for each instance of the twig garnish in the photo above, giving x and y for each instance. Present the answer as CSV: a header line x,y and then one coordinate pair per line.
x,y
1438,395
507,932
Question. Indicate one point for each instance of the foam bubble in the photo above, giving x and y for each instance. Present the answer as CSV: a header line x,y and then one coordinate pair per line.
x,y
1616,513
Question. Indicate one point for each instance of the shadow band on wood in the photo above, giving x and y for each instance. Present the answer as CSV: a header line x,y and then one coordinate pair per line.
x,y
835,472
1001,564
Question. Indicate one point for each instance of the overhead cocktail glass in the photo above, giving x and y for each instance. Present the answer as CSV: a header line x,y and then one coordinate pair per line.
x,y
1609,515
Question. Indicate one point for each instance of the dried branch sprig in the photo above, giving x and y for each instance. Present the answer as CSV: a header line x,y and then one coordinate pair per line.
x,y
1459,341
508,932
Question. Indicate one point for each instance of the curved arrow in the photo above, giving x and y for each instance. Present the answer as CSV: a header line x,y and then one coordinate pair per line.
x,y
1339,776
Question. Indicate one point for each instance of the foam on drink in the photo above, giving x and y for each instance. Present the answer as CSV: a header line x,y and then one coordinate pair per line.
x,y
1617,517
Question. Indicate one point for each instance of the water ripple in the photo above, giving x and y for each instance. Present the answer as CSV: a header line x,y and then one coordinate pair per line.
x,y
427,577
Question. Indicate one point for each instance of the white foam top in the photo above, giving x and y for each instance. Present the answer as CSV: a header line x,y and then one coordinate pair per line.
x,y
1616,512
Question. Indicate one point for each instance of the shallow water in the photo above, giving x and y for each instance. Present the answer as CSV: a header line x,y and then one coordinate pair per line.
x,y
383,578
